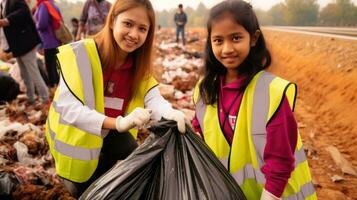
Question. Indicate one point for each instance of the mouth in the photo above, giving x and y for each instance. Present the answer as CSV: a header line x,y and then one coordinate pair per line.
x,y
130,43
229,58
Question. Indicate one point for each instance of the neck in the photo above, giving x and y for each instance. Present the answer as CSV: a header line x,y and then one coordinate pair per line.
x,y
231,76
121,59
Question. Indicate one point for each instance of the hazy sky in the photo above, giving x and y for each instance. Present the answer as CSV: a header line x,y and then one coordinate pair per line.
x,y
263,4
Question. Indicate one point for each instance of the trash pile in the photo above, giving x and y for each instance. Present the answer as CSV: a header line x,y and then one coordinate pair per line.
x,y
178,68
24,154
26,165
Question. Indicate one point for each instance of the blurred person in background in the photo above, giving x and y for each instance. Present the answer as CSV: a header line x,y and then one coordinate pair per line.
x,y
180,21
93,17
19,36
75,26
46,25
106,89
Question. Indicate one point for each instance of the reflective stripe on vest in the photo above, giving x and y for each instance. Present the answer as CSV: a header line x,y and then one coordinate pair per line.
x,y
72,151
85,71
249,175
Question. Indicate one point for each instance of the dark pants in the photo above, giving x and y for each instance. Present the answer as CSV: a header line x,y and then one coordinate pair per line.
x,y
51,66
180,29
116,146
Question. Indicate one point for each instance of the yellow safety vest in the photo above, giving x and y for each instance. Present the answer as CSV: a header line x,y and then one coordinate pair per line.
x,y
76,151
244,158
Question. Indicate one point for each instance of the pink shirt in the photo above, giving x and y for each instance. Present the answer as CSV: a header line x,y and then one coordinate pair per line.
x,y
281,136
228,106
117,86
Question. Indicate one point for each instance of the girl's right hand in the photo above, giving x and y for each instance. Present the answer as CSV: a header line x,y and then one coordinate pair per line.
x,y
137,118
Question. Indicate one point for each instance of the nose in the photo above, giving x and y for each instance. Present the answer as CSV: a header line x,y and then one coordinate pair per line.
x,y
133,33
227,48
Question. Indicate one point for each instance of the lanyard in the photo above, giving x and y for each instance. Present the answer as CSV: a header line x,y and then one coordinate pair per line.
x,y
226,113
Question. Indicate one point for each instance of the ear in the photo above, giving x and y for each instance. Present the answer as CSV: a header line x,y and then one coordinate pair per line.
x,y
254,38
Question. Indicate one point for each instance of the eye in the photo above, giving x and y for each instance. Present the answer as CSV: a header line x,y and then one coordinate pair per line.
x,y
217,41
143,29
127,24
236,38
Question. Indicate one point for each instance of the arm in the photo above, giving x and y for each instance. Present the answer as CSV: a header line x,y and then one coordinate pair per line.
x,y
155,102
185,19
75,113
42,20
79,32
162,108
83,19
4,22
109,123
279,150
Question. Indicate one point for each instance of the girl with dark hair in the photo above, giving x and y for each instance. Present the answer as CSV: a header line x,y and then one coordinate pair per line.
x,y
106,91
245,114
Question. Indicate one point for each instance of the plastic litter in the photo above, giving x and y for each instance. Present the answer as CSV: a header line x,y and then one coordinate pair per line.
x,y
8,183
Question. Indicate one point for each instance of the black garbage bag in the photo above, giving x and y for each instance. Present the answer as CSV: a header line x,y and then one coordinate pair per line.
x,y
8,183
9,89
168,165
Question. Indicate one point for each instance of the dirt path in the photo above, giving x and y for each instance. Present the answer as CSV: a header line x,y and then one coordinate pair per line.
x,y
325,70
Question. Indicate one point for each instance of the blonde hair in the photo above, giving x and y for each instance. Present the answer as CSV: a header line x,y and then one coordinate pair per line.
x,y
109,49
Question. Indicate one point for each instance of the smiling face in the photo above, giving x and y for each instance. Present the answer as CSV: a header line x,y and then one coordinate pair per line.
x,y
130,29
230,41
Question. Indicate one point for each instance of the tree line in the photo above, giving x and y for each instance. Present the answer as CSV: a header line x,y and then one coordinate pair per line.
x,y
286,13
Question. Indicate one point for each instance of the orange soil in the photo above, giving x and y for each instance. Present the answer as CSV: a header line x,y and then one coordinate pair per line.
x,y
325,70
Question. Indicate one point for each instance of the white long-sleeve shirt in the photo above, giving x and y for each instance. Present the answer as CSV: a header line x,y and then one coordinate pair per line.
x,y
75,113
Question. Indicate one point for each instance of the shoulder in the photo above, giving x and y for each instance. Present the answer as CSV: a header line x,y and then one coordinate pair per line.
x,y
17,5
279,89
275,85
84,44
281,84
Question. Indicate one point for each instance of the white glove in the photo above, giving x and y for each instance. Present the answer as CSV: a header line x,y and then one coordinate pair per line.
x,y
179,117
268,196
138,117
